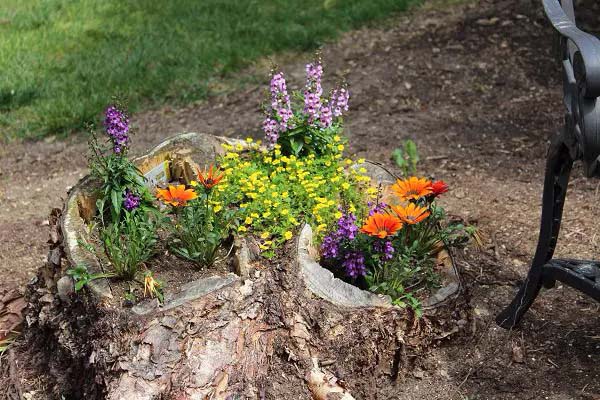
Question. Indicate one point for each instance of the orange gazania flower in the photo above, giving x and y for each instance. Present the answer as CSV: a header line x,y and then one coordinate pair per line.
x,y
381,225
411,214
210,178
412,188
176,195
439,187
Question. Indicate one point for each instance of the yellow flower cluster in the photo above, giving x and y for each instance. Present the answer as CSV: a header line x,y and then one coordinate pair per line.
x,y
275,193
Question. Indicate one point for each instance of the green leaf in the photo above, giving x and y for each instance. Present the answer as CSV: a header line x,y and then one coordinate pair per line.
x,y
116,201
398,156
296,146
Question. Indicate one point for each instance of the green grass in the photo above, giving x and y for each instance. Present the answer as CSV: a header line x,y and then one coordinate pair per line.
x,y
61,61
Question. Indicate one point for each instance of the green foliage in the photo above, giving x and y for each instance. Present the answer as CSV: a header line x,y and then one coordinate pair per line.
x,y
115,174
82,277
407,158
306,139
199,228
130,242
62,60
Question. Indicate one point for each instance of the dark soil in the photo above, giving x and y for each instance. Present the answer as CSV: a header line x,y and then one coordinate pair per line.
x,y
477,87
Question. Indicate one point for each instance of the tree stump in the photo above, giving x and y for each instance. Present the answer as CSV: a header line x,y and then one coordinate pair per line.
x,y
270,329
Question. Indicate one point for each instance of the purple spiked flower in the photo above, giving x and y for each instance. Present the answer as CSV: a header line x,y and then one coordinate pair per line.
x,y
271,130
378,208
326,118
354,263
116,124
313,91
339,101
130,200
385,248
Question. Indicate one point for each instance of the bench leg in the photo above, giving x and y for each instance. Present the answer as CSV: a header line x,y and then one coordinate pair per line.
x,y
558,169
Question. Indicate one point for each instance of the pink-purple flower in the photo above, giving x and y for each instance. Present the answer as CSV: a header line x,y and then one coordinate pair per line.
x,y
279,117
339,101
313,91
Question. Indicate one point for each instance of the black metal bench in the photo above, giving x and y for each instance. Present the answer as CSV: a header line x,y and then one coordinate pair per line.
x,y
579,139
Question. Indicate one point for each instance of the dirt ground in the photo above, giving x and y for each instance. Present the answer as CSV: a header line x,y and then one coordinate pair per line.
x,y
477,87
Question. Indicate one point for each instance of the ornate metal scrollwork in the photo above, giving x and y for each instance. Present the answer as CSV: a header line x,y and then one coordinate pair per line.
x,y
578,140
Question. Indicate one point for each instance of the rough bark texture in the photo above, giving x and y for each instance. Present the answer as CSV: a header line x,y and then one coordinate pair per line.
x,y
267,337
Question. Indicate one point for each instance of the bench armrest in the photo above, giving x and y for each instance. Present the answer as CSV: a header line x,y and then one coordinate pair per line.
x,y
586,60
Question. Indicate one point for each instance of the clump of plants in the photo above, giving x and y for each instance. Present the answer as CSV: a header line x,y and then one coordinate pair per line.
x,y
199,223
301,174
391,249
127,219
309,125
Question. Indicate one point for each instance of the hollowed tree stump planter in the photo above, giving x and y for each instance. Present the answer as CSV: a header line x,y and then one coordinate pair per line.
x,y
269,329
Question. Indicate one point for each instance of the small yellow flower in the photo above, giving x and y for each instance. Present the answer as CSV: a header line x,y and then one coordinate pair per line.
x,y
287,235
340,147
285,211
254,215
345,186
193,183
249,140
361,161
217,208
248,220
242,228
338,215
266,214
265,235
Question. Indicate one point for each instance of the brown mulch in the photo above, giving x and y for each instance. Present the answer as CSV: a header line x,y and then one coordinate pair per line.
x,y
476,86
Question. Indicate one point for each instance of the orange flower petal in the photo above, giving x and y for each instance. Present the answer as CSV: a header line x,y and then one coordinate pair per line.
x,y
381,225
412,188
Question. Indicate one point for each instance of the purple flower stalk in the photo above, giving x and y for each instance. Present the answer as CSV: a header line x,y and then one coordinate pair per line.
x,y
313,91
271,129
280,114
347,229
330,248
280,100
326,118
339,101
386,249
354,263
378,208
130,200
116,124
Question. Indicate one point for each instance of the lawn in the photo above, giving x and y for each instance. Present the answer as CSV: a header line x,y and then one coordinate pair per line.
x,y
62,60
